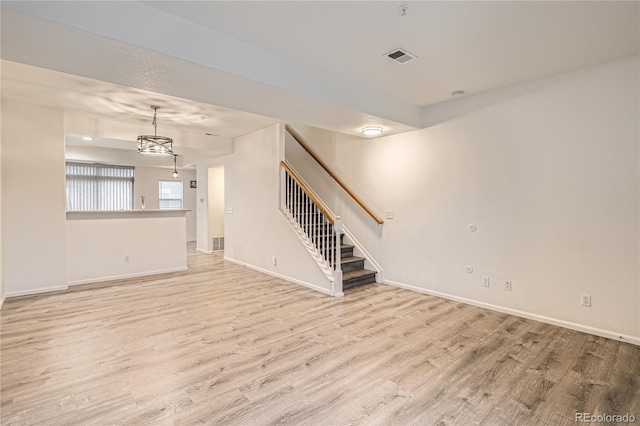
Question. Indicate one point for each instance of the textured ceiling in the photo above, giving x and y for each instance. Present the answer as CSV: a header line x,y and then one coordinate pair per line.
x,y
97,98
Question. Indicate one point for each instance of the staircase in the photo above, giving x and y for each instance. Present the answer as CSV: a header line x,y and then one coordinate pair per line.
x,y
353,271
317,227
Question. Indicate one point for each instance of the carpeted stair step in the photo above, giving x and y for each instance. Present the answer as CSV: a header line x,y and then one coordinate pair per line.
x,y
355,278
322,239
346,250
307,214
351,263
318,227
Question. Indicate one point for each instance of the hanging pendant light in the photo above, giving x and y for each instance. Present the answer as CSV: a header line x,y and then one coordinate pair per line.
x,y
155,145
175,168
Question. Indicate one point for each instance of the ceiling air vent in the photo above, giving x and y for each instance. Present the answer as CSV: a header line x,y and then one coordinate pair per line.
x,y
400,56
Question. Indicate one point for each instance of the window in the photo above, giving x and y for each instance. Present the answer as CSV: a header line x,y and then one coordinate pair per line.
x,y
170,194
99,187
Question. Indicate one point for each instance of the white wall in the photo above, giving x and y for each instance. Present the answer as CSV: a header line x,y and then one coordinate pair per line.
x,y
257,230
153,242
147,183
33,199
2,296
323,145
550,178
216,203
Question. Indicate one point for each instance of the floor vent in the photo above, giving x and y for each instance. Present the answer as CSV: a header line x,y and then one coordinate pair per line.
x,y
218,244
400,56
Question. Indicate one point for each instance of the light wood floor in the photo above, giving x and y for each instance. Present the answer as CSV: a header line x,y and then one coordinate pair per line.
x,y
222,344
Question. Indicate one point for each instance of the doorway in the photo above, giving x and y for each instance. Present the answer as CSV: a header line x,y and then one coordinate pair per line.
x,y
215,210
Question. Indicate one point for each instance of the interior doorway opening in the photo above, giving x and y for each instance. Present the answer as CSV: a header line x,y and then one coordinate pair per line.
x,y
215,210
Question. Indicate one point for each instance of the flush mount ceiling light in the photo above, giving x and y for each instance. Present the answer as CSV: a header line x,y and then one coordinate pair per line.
x,y
155,145
87,138
372,130
175,168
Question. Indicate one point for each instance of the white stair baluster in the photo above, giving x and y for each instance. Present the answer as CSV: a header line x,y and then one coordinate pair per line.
x,y
337,274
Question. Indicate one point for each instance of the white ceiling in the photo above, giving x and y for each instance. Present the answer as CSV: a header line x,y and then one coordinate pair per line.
x,y
461,45
318,63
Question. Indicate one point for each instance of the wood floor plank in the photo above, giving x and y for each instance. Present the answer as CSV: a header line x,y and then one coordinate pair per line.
x,y
223,344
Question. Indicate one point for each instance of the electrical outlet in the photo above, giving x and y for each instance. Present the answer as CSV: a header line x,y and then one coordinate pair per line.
x,y
508,285
274,260
485,281
389,214
126,259
585,300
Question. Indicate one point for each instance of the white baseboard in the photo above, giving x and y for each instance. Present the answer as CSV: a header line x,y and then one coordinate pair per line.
x,y
125,276
36,291
2,301
203,251
553,321
293,280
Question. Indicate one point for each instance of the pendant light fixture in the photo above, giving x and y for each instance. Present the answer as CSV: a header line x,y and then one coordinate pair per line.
x,y
175,168
155,145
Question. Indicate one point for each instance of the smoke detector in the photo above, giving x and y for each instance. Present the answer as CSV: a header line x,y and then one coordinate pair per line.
x,y
400,56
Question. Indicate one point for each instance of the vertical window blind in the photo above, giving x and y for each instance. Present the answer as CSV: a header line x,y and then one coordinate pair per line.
x,y
99,187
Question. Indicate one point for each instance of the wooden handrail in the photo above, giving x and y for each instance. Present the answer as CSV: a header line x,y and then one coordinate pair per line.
x,y
307,191
339,181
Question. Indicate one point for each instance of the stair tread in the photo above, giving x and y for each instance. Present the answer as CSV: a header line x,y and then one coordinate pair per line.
x,y
351,259
357,274
342,246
